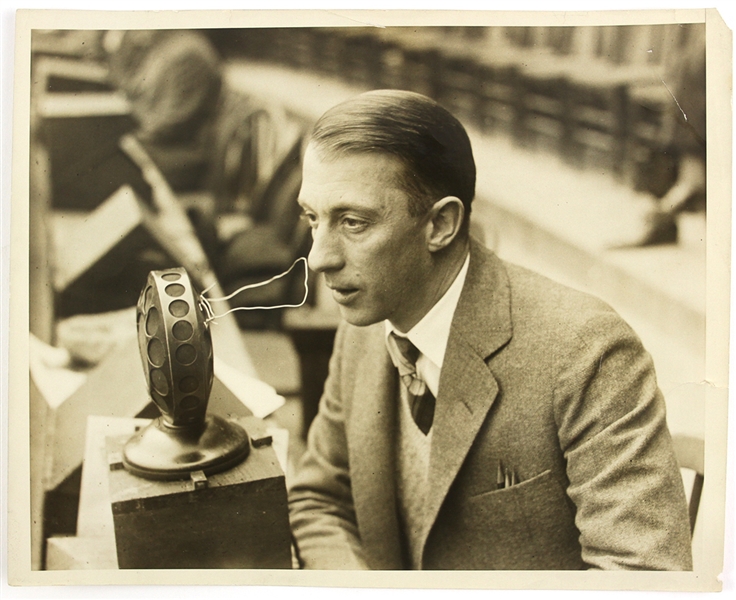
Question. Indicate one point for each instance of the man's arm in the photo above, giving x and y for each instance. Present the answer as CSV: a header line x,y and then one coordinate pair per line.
x,y
624,478
320,499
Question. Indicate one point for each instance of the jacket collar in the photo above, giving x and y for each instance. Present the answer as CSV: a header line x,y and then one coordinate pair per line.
x,y
483,314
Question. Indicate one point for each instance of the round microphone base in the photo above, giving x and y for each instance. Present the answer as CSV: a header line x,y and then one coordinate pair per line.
x,y
161,452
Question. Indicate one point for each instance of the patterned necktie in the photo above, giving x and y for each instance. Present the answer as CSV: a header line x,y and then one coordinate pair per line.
x,y
421,400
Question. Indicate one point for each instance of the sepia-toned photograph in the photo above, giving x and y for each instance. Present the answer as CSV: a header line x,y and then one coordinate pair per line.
x,y
302,294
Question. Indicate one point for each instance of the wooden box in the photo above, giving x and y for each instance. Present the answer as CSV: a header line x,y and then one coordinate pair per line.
x,y
236,519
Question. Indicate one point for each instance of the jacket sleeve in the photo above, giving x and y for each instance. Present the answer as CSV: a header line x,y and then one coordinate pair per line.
x,y
320,498
624,478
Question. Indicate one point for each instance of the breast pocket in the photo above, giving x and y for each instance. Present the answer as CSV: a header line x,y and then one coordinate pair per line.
x,y
527,526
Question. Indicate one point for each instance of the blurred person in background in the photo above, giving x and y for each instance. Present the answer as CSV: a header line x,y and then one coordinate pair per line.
x,y
173,81
684,148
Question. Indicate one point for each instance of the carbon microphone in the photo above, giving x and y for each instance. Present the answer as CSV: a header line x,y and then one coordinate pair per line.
x,y
176,350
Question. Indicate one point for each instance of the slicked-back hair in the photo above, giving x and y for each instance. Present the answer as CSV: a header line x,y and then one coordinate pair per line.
x,y
431,143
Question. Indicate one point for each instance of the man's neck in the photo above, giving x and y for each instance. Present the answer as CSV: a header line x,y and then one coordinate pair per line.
x,y
447,265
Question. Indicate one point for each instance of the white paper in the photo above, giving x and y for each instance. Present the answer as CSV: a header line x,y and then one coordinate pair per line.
x,y
48,369
260,398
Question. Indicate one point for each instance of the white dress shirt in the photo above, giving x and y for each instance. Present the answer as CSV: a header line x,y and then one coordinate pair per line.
x,y
430,335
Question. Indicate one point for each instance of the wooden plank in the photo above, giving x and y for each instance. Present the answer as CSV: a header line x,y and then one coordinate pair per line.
x,y
38,453
95,515
41,297
82,240
65,553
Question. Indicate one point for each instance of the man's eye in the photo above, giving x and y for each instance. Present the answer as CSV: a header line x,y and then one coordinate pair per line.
x,y
354,224
310,218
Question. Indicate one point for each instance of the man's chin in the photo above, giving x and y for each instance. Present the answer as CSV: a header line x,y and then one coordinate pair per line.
x,y
358,318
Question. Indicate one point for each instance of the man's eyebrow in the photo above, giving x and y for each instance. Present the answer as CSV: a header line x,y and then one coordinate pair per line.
x,y
368,211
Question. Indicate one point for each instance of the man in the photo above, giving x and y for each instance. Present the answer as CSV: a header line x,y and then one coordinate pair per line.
x,y
173,81
546,446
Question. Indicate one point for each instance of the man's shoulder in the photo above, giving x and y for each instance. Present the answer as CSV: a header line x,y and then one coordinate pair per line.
x,y
544,306
544,293
561,314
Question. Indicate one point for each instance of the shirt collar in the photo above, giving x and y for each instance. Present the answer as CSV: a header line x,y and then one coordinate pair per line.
x,y
430,335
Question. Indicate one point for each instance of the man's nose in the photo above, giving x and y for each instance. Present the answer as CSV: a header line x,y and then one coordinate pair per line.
x,y
325,254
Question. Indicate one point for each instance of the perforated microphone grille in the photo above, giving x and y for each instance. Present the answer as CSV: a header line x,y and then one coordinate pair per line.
x,y
176,347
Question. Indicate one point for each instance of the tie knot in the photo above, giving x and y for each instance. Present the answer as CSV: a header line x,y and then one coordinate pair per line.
x,y
405,355
408,350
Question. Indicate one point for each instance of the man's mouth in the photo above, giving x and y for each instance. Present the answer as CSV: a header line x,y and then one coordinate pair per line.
x,y
343,295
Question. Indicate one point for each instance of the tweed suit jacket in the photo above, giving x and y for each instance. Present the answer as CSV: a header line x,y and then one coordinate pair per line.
x,y
547,380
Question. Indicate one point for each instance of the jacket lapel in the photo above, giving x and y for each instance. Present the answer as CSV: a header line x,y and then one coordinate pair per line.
x,y
372,437
481,325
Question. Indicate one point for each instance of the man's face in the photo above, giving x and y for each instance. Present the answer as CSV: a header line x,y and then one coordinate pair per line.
x,y
372,252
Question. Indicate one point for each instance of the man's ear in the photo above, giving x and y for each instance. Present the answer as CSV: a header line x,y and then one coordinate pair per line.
x,y
445,221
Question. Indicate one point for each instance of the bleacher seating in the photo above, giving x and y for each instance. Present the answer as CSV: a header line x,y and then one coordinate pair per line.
x,y
581,92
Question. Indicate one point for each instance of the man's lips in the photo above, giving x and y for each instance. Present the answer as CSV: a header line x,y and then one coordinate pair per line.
x,y
342,294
